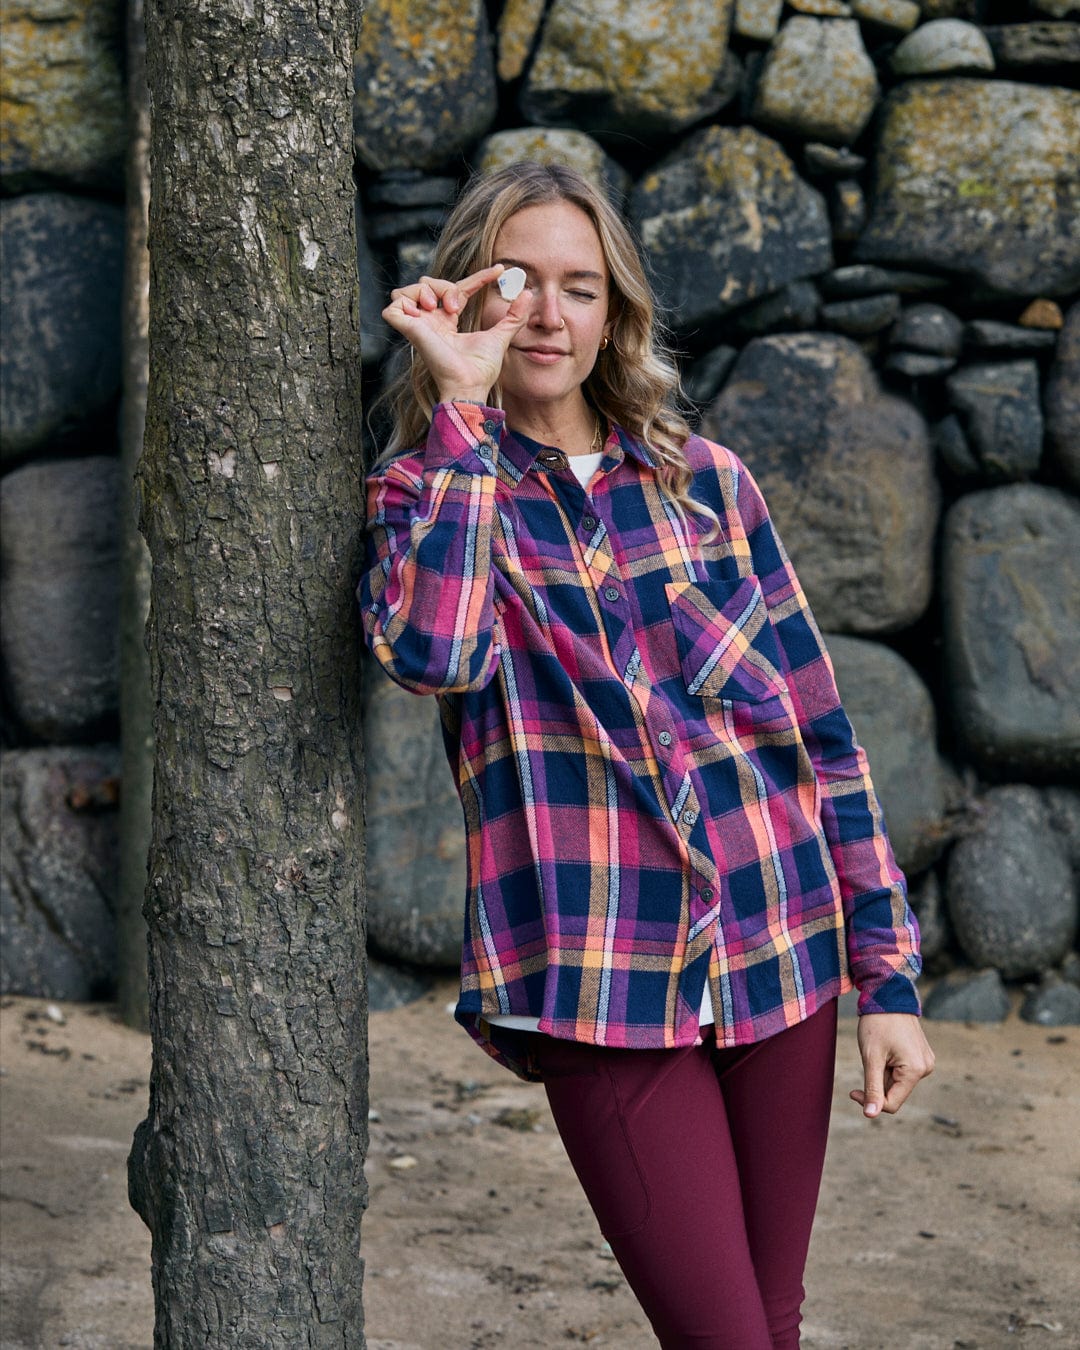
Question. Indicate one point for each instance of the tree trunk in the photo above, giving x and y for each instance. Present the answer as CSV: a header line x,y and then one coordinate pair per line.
x,y
136,704
248,1168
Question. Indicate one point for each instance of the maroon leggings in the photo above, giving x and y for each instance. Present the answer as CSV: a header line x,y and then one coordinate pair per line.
x,y
702,1166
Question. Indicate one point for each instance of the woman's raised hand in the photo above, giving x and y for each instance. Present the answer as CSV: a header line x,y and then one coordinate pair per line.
x,y
463,365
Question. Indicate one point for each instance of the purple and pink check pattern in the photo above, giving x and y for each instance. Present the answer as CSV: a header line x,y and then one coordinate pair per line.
x,y
660,786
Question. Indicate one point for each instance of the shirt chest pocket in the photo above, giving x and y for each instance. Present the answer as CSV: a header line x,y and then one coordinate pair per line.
x,y
727,646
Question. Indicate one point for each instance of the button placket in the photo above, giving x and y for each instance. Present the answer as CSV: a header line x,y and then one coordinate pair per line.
x,y
552,459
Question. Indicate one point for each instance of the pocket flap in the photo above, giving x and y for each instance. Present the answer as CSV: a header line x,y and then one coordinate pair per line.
x,y
727,646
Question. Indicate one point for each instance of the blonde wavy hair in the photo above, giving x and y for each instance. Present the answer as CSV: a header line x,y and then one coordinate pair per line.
x,y
634,383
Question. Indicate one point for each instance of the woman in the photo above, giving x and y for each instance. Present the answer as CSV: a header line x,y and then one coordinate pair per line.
x,y
676,861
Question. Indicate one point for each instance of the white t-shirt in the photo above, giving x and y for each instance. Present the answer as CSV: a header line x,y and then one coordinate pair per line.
x,y
584,466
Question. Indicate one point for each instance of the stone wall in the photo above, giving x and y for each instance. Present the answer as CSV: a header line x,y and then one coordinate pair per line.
x,y
862,219
62,143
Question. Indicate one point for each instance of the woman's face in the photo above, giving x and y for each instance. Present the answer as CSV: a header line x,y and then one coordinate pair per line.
x,y
553,352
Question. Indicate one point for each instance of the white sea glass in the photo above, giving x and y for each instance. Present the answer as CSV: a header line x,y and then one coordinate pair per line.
x,y
511,283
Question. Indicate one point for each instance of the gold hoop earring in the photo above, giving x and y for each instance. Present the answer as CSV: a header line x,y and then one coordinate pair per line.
x,y
604,343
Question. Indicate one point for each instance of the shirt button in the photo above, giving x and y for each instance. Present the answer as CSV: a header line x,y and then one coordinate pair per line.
x,y
490,427
706,894
664,738
689,817
588,523
612,593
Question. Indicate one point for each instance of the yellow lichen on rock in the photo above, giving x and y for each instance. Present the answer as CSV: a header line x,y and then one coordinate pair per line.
x,y
982,177
425,81
553,145
655,61
953,138
818,81
62,111
518,25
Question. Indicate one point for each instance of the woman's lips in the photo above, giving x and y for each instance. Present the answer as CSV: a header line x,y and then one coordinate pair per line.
x,y
541,356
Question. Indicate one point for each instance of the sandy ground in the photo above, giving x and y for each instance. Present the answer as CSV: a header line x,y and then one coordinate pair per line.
x,y
950,1227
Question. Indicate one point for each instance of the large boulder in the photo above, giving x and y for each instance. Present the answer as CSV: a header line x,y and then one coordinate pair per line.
x,y
893,716
61,266
817,82
847,472
554,145
928,904
980,178
726,219
1032,49
424,82
757,20
900,16
1061,400
1011,897
62,110
636,67
1063,804
415,829
60,602
59,871
941,46
1011,600
519,24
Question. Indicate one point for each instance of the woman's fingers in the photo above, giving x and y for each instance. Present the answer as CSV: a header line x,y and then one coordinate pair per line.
x,y
431,296
426,314
431,293
895,1057
468,286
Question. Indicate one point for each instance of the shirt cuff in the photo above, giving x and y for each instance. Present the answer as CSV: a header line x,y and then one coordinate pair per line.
x,y
464,436
897,994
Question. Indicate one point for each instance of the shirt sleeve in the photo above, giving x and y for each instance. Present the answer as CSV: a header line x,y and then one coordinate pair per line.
x,y
881,931
427,594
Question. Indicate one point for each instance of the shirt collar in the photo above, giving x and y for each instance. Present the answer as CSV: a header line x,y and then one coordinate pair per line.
x,y
521,452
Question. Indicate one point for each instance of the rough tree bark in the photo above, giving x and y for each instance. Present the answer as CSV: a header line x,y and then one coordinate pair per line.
x,y
136,705
248,1168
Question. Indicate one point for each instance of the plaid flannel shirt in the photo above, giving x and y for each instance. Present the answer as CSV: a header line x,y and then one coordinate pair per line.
x,y
659,784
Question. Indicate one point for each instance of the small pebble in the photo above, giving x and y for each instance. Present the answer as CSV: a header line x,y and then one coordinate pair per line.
x,y
1042,314
511,283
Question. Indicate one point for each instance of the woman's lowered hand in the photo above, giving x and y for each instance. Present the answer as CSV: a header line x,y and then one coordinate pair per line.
x,y
895,1055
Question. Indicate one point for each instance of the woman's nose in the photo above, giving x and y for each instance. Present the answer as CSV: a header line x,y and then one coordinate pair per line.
x,y
545,313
